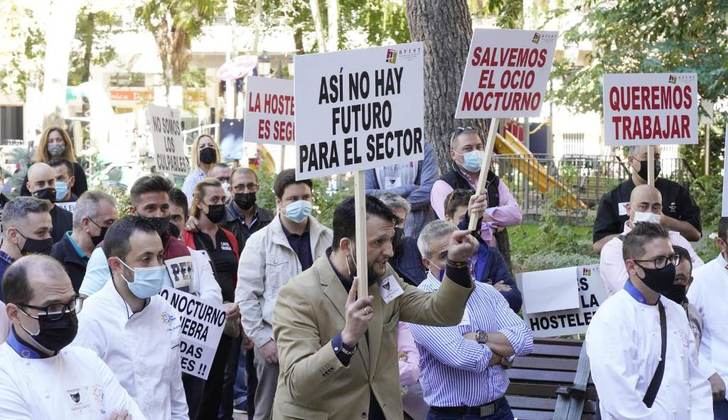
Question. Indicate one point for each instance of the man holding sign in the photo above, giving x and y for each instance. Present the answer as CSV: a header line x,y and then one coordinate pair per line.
x,y
133,329
353,374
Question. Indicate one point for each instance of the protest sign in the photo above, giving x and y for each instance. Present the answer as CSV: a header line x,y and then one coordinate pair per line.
x,y
648,109
201,327
180,271
165,126
68,206
549,290
269,119
572,321
357,109
506,73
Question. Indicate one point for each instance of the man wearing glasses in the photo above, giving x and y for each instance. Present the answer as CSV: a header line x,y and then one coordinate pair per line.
x,y
467,153
645,206
244,217
41,377
642,352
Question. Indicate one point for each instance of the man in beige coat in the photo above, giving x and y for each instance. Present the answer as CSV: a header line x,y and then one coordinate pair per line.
x,y
338,352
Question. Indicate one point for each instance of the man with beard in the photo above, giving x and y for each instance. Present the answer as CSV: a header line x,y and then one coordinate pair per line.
x,y
353,374
41,376
42,184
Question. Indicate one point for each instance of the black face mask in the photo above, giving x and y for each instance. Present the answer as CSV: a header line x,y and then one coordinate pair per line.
x,y
676,293
161,225
643,169
397,239
208,155
659,280
55,334
98,239
245,200
36,246
46,194
216,213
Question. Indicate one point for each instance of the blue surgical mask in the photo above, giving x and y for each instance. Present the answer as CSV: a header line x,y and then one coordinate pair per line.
x,y
61,190
472,161
298,211
147,281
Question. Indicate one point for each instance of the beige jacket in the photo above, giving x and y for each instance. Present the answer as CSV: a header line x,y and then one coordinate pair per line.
x,y
266,264
313,384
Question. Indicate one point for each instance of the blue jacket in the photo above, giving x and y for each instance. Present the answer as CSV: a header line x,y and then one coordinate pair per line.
x,y
407,262
490,267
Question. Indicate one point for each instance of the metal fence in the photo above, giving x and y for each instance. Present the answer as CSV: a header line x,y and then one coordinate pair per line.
x,y
573,185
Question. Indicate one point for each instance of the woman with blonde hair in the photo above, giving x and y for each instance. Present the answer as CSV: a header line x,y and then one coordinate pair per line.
x,y
205,155
55,145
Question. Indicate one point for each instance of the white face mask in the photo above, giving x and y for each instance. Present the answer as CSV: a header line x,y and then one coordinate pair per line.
x,y
641,216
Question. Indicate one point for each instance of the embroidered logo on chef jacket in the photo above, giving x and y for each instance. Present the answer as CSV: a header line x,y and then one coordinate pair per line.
x,y
167,317
75,397
78,402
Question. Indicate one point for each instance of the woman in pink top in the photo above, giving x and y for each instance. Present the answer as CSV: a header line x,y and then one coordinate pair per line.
x,y
414,404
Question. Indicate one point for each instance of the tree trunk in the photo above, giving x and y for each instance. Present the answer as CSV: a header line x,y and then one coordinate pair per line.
x,y
318,25
445,53
298,41
332,10
88,48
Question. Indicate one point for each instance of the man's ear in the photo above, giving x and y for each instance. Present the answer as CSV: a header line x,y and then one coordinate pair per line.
x,y
426,263
11,310
114,264
71,182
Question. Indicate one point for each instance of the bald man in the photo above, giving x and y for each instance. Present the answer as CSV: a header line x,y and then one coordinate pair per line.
x,y
645,206
42,184
679,211
41,376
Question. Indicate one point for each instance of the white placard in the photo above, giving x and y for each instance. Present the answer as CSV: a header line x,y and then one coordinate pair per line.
x,y
165,126
180,271
270,112
68,206
724,211
358,109
506,73
201,327
574,321
650,108
549,290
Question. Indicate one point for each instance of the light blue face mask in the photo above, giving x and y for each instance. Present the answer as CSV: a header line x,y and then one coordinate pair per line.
x,y
61,190
472,161
298,211
147,281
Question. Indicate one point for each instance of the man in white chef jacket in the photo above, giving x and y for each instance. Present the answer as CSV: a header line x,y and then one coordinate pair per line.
x,y
133,329
624,340
709,294
41,377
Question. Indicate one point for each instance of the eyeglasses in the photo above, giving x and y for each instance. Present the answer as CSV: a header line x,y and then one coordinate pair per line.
x,y
56,311
661,261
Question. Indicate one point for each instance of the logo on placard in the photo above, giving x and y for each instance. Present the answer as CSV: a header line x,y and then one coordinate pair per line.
x,y
75,397
672,79
536,38
587,272
391,56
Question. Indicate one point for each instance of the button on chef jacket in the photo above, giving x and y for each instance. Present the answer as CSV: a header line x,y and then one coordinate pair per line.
x,y
72,385
709,294
623,343
141,349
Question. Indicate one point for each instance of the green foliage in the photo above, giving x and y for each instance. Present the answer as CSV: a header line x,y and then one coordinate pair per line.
x,y
707,192
24,49
508,13
194,78
93,32
694,155
630,36
381,20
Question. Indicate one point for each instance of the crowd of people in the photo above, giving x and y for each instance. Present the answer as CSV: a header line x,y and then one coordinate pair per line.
x,y
87,335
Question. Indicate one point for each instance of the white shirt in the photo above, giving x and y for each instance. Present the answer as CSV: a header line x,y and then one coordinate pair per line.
x,y
141,349
623,343
709,294
611,262
4,323
47,388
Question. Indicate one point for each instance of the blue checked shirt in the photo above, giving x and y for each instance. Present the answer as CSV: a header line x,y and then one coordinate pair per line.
x,y
455,371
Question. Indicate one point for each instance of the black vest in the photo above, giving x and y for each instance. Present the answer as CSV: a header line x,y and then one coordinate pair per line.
x,y
455,180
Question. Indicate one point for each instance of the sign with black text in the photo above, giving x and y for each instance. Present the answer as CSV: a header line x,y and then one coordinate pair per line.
x,y
650,108
357,109
201,327
506,73
572,321
166,128
269,118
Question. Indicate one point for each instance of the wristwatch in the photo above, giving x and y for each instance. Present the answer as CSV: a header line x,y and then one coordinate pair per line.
x,y
481,337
